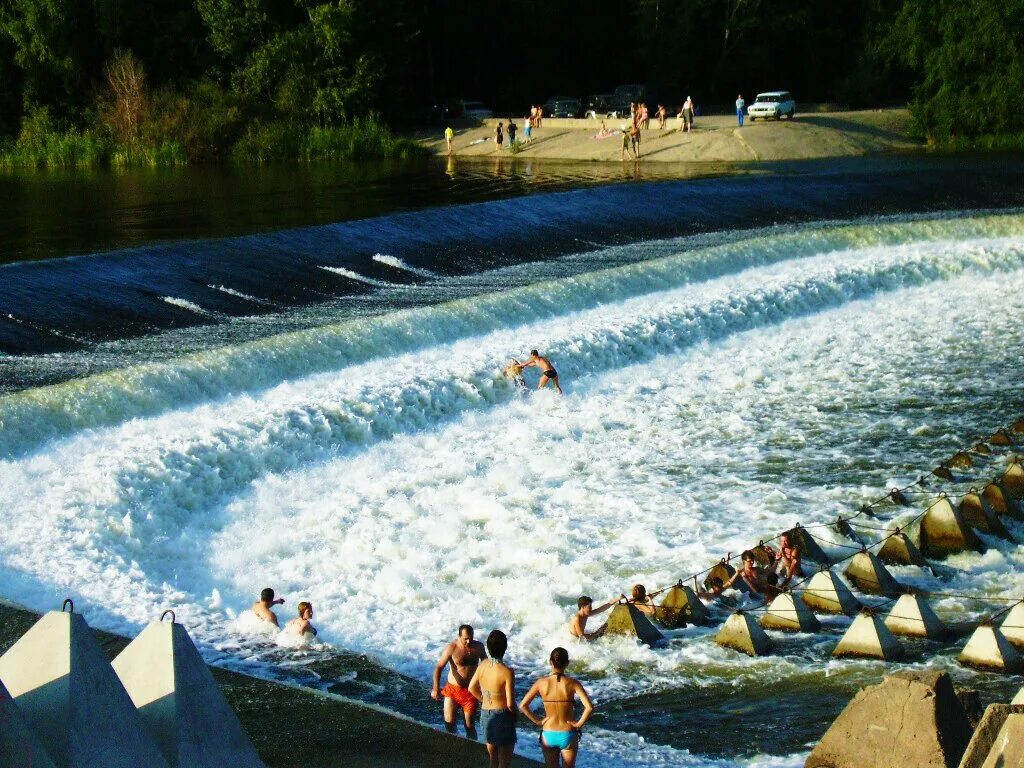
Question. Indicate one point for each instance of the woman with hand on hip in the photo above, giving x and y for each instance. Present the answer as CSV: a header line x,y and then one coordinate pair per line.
x,y
560,731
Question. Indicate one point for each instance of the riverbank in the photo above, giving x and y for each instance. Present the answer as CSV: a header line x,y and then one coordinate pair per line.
x,y
295,726
715,138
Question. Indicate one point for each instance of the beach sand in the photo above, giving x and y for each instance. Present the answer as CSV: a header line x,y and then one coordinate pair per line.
x,y
714,138
294,726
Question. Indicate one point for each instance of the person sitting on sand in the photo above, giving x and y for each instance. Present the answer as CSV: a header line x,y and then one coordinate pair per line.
x,y
788,562
494,685
301,625
462,656
560,731
262,606
642,601
548,372
578,625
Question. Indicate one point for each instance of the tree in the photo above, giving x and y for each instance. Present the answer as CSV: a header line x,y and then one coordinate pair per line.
x,y
127,98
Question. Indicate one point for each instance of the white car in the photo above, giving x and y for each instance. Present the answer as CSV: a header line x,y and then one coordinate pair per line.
x,y
475,110
775,104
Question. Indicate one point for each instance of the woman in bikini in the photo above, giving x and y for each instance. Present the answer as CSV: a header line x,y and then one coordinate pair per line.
x,y
494,685
560,733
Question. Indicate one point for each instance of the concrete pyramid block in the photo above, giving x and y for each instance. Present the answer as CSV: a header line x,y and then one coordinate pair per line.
x,y
181,705
960,460
1019,698
790,615
741,633
978,514
681,606
718,575
989,649
866,573
1002,438
68,693
943,472
1017,426
1012,626
913,617
18,743
1013,481
809,549
981,448
868,638
990,740
826,593
899,549
627,619
944,531
1003,504
909,719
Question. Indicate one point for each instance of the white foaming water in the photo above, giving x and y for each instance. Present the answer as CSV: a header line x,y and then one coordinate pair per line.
x,y
410,490
189,305
397,263
240,295
358,278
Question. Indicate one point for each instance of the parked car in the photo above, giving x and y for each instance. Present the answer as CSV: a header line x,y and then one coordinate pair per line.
x,y
774,104
607,105
633,92
475,110
563,106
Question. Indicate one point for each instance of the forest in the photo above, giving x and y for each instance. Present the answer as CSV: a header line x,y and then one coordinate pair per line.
x,y
152,82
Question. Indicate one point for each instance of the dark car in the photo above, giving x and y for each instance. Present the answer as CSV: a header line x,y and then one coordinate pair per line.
x,y
563,106
607,105
631,92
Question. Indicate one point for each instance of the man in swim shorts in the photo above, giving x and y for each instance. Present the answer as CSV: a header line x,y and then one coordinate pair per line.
x,y
547,370
462,657
262,606
578,625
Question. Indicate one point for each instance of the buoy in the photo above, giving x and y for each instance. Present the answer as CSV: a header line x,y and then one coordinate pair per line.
x,y
869,638
944,531
681,606
981,448
70,696
1012,625
989,649
960,460
809,549
913,617
979,514
1013,481
181,705
867,573
1004,505
1001,438
826,593
898,549
943,472
18,743
718,575
627,619
741,633
789,615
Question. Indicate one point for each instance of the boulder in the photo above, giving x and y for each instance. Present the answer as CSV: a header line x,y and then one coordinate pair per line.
x,y
909,719
988,649
1013,480
913,617
789,615
18,743
899,549
826,593
1001,502
627,619
986,736
868,638
741,633
944,531
681,606
1012,626
866,573
978,513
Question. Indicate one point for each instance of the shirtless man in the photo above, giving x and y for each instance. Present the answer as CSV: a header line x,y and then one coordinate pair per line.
x,y
462,657
547,370
789,561
262,606
578,625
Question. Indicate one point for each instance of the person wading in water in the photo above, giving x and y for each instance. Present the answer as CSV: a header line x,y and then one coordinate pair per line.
x,y
547,370
463,655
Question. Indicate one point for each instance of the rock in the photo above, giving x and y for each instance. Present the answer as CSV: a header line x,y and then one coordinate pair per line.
x,y
992,738
681,606
627,619
978,513
826,593
789,615
909,720
741,633
898,549
1012,626
913,617
867,574
1001,502
989,649
944,531
869,638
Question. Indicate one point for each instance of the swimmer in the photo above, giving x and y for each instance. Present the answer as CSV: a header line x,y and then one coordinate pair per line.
x,y
262,606
494,686
578,625
514,371
751,579
789,561
560,732
547,370
301,625
643,603
462,656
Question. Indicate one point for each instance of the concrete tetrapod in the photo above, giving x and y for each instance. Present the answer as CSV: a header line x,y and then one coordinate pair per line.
x,y
978,513
1019,698
809,549
1013,480
789,615
67,691
869,638
944,531
1008,746
960,460
913,617
741,633
989,649
898,549
627,619
986,738
18,743
1012,625
1004,505
681,606
180,704
1001,438
826,593
909,719
867,574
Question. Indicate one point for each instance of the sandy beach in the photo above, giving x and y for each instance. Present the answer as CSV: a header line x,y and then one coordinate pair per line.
x,y
715,138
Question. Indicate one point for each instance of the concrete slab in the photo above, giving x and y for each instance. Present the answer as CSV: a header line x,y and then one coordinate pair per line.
x,y
989,649
741,633
978,514
866,572
826,593
911,616
626,619
944,531
180,704
1001,502
1012,626
1008,746
681,606
788,614
869,638
986,735
899,549
71,697
18,743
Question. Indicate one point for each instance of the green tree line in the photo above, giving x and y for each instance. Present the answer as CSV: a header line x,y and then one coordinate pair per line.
x,y
84,82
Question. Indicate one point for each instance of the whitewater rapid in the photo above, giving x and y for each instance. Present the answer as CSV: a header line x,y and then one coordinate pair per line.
x,y
383,469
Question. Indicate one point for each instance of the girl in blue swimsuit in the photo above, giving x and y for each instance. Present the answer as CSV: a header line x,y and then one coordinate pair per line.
x,y
560,732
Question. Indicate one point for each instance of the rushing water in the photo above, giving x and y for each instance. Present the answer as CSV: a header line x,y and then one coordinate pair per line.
x,y
363,451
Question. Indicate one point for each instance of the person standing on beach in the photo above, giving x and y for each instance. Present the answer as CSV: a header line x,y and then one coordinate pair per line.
x,y
462,656
267,601
560,730
494,685
528,128
578,625
740,109
540,114
688,113
634,139
499,136
449,134
662,113
547,370
625,143
645,117
511,134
